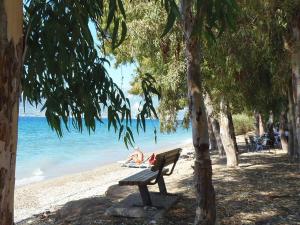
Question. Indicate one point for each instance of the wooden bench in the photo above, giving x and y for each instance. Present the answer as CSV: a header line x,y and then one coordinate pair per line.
x,y
154,175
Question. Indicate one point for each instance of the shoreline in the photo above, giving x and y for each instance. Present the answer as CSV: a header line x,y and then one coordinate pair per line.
x,y
39,174
41,155
50,194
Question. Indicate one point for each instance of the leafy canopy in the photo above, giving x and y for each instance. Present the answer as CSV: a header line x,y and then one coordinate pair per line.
x,y
63,69
162,54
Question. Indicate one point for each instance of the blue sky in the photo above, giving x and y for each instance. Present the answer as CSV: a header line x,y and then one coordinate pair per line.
x,y
121,76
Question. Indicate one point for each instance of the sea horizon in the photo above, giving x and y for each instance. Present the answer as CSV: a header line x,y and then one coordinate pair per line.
x,y
42,155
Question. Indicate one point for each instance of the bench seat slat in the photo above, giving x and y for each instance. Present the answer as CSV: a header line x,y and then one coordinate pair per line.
x,y
143,177
139,177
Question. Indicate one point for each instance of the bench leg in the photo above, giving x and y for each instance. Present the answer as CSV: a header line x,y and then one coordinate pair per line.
x,y
162,185
145,195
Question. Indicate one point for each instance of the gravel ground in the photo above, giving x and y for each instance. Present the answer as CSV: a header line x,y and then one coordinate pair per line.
x,y
264,189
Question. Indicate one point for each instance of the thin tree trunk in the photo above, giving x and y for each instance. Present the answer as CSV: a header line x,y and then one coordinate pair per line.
x,y
232,132
292,138
256,123
295,58
212,138
291,144
216,128
205,194
270,126
226,135
282,129
11,21
215,124
261,125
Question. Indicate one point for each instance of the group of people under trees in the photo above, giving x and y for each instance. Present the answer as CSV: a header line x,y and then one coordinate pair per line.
x,y
269,139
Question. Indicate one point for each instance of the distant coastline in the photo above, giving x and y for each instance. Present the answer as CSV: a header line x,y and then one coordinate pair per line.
x,y
31,115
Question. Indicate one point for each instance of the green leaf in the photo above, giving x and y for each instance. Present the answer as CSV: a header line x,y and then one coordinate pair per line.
x,y
155,135
115,33
130,133
123,33
120,131
111,13
173,14
121,7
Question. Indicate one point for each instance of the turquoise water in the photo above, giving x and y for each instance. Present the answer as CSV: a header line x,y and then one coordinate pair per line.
x,y
42,155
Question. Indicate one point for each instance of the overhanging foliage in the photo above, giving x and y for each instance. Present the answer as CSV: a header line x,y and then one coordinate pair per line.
x,y
63,70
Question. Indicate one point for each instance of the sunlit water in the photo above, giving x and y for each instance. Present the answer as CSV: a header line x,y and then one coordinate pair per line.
x,y
42,155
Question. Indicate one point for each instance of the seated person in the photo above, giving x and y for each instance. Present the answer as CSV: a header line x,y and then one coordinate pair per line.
x,y
137,156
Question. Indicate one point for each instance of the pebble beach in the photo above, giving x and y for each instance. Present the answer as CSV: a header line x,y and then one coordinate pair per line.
x,y
51,194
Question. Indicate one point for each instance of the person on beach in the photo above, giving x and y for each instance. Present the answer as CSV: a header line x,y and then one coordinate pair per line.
x,y
137,156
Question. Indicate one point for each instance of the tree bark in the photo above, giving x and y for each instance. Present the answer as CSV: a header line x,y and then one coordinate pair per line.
x,y
295,61
212,138
261,125
282,129
270,127
226,135
291,144
215,124
292,138
256,123
205,194
216,128
11,21
232,132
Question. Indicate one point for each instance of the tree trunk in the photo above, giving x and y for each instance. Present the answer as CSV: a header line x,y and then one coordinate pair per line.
x,y
295,58
215,125
205,194
291,144
212,139
11,21
261,125
226,135
256,123
232,132
292,138
216,128
282,129
270,127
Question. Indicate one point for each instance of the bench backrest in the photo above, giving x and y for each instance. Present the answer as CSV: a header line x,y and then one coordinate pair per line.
x,y
166,158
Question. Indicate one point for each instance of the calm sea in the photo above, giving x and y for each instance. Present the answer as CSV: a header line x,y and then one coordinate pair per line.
x,y
42,155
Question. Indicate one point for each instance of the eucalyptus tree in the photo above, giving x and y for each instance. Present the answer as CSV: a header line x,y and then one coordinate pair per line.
x,y
162,57
280,65
143,43
198,20
211,118
274,30
287,17
52,61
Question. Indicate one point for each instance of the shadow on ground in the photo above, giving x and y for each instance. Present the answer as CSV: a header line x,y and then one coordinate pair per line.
x,y
264,190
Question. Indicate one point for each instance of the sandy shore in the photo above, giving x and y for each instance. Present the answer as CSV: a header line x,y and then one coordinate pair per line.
x,y
51,194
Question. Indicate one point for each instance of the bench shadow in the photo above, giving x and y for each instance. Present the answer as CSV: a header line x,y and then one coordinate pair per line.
x,y
86,211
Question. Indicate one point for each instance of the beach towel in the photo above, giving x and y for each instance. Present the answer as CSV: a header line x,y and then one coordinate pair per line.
x,y
134,165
